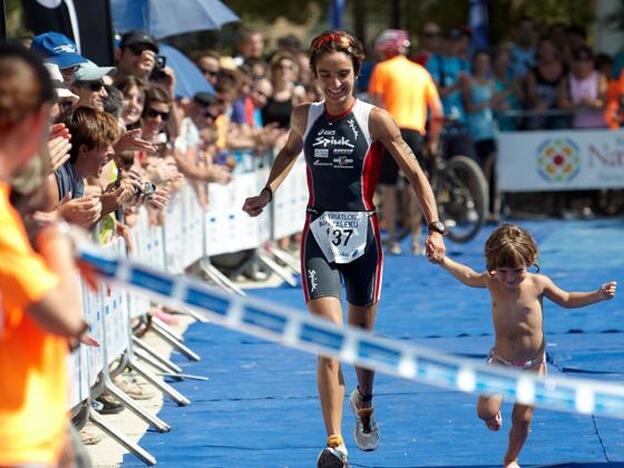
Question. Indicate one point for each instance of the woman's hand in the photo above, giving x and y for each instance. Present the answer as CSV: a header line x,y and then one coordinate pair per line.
x,y
255,205
132,141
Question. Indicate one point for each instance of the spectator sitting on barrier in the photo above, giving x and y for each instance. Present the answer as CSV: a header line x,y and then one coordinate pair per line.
x,y
40,299
58,49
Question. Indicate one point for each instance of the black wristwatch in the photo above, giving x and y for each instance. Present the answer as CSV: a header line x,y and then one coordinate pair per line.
x,y
437,226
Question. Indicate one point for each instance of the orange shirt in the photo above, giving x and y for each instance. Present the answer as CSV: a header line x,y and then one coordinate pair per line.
x,y
406,89
33,374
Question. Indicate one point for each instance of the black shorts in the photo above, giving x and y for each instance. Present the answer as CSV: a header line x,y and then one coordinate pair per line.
x,y
362,277
483,149
389,169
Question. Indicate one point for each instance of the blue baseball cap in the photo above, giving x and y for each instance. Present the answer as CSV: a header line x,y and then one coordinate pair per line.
x,y
57,48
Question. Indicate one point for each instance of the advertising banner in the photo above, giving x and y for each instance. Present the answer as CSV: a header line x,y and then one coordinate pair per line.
x,y
560,160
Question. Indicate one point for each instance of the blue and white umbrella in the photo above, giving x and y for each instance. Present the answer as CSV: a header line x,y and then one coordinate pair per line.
x,y
163,18
189,78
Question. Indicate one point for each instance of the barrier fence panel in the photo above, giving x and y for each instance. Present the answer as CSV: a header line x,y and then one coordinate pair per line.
x,y
227,228
173,234
115,306
290,201
189,233
560,160
141,238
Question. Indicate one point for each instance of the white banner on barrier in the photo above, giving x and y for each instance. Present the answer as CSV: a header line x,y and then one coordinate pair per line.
x,y
560,160
290,201
228,228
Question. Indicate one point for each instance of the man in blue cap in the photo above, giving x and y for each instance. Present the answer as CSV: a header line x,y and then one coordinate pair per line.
x,y
59,49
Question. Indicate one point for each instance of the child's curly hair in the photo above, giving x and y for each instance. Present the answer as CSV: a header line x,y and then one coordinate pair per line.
x,y
510,246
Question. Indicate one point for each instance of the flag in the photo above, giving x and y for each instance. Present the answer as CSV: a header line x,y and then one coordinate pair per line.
x,y
478,23
336,13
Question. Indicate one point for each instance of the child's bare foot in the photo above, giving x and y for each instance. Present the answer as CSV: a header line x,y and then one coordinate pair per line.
x,y
511,464
495,423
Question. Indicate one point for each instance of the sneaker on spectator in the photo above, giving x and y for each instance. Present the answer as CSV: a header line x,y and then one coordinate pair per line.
x,y
365,433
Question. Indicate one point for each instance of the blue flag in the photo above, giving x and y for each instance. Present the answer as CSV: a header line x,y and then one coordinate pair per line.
x,y
478,22
336,13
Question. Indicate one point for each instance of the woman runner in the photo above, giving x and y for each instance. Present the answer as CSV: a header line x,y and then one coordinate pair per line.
x,y
342,138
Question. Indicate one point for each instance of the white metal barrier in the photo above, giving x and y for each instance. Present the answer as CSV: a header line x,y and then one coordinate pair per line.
x,y
188,235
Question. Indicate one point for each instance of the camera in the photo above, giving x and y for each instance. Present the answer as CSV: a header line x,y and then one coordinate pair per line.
x,y
158,73
147,190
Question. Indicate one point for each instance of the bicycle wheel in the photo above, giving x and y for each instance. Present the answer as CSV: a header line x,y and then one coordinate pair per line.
x,y
462,198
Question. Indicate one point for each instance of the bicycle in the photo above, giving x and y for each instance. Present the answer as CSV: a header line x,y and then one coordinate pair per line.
x,y
461,193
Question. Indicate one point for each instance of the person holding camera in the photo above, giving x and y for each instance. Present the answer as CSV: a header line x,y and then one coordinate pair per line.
x,y
136,55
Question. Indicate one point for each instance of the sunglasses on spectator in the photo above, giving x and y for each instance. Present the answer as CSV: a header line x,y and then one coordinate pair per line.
x,y
153,113
210,72
212,115
94,86
431,33
137,49
65,105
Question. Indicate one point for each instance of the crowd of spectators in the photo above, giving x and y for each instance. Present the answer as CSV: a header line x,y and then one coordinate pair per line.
x,y
120,138
544,77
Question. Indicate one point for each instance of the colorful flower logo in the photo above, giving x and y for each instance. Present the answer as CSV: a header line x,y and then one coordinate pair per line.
x,y
558,159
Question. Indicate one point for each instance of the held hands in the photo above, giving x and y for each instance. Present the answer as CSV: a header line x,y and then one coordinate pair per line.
x,y
607,290
254,205
434,247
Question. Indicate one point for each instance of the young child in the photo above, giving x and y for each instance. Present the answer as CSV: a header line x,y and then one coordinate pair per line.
x,y
517,297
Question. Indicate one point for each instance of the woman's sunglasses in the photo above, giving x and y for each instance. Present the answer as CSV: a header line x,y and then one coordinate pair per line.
x,y
153,113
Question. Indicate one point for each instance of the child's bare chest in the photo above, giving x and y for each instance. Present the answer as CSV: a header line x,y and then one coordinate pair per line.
x,y
517,311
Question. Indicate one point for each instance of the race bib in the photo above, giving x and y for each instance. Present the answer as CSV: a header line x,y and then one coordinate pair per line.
x,y
341,234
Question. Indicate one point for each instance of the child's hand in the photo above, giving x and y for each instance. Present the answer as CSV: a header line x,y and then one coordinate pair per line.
x,y
607,290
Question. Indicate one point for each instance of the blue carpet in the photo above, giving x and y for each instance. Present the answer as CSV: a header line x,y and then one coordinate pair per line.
x,y
259,406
